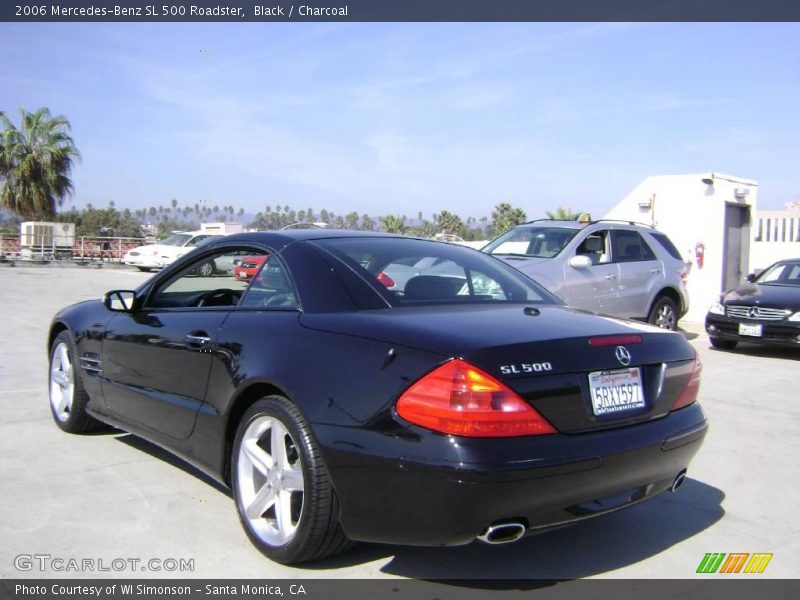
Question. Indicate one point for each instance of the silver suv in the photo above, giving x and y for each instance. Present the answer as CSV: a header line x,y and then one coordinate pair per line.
x,y
615,268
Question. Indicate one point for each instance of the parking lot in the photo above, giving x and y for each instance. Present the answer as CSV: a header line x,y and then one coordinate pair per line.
x,y
115,496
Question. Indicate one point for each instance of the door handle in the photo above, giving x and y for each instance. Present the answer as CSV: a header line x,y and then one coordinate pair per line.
x,y
197,340
611,276
655,270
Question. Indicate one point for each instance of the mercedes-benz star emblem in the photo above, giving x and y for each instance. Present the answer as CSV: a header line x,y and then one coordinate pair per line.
x,y
753,312
623,356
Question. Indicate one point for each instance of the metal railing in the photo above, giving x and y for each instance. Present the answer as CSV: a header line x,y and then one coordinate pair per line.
x,y
85,249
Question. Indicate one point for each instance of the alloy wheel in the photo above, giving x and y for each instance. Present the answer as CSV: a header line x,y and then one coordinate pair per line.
x,y
665,317
62,386
270,481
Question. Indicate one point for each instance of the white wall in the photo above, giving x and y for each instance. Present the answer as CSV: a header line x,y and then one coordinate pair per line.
x,y
690,211
777,236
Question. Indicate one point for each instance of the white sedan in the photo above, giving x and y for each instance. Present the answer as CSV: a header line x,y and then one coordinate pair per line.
x,y
156,256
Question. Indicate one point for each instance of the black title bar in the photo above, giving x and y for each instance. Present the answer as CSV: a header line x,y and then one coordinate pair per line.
x,y
397,10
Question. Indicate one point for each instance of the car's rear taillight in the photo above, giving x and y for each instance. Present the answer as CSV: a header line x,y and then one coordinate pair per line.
x,y
689,394
385,280
460,399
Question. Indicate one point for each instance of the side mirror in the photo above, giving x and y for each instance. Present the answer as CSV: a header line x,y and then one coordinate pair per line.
x,y
120,300
581,261
751,278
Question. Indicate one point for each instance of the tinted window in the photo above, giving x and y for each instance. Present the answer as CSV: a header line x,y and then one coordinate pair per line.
x,y
408,271
667,244
628,246
540,242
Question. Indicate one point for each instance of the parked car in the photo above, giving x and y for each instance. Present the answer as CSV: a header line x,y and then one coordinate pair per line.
x,y
158,255
223,265
614,268
765,310
337,409
247,268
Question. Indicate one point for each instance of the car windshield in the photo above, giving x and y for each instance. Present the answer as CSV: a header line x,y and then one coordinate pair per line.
x,y
536,242
410,271
176,239
783,273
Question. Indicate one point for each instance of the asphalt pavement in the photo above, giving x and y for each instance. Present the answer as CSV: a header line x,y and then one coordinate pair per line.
x,y
114,497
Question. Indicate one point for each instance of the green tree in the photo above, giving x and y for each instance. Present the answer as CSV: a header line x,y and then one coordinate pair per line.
x,y
394,224
563,213
505,216
449,222
35,162
351,220
367,222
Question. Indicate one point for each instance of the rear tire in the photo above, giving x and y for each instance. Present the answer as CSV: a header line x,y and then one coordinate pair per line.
x,y
664,314
722,344
283,493
68,398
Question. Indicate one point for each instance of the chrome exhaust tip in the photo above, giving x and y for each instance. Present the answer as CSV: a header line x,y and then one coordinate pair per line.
x,y
679,479
503,533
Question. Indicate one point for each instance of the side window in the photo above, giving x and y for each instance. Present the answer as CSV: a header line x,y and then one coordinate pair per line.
x,y
596,247
271,287
207,282
628,246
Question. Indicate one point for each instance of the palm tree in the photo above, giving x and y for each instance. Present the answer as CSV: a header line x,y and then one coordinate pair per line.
x,y
394,224
35,162
563,214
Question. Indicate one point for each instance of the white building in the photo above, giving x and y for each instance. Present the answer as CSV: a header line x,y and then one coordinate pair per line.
x,y
777,236
709,217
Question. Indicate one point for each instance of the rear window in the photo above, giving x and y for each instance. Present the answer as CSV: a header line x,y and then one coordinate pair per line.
x,y
410,271
667,244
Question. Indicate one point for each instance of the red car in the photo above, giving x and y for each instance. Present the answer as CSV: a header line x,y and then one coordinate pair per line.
x,y
248,267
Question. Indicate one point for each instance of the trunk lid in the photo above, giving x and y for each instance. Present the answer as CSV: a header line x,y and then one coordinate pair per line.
x,y
543,353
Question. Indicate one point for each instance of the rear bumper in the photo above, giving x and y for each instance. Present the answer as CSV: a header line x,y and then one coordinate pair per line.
x,y
146,262
781,333
442,490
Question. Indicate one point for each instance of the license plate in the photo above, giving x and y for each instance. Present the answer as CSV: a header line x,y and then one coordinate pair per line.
x,y
752,330
616,391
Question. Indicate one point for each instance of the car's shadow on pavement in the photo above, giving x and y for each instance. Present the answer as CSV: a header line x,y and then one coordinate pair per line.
x,y
138,443
595,546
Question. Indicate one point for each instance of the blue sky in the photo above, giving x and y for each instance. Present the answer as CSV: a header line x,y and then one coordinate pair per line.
x,y
402,118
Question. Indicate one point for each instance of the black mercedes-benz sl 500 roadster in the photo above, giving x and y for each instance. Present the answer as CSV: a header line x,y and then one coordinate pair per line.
x,y
382,388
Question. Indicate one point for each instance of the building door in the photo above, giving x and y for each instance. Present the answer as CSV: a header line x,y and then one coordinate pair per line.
x,y
736,244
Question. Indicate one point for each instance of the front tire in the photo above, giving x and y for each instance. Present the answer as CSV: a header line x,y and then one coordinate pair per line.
x,y
283,493
664,314
722,344
206,269
68,398
144,269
